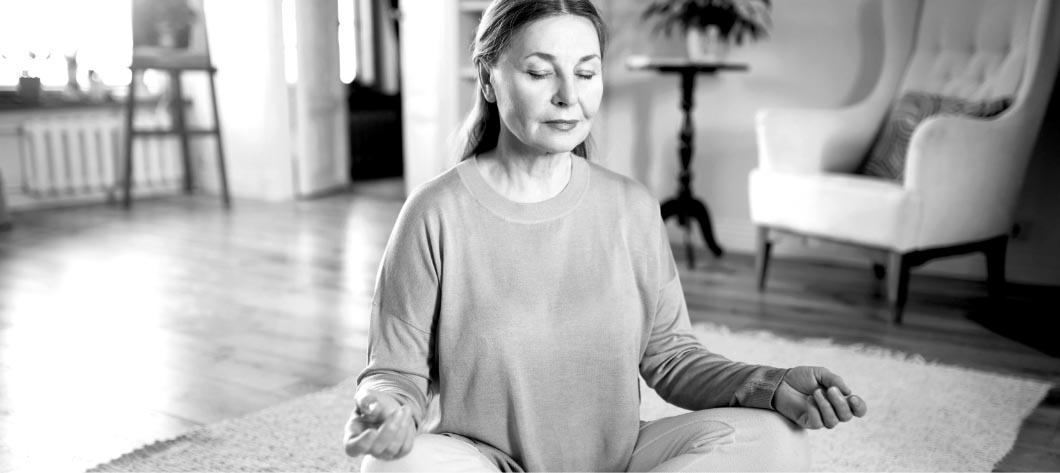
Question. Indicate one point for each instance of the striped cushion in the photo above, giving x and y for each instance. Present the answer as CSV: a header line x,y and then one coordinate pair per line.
x,y
886,158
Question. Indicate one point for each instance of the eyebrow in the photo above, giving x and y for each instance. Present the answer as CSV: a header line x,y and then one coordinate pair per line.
x,y
552,58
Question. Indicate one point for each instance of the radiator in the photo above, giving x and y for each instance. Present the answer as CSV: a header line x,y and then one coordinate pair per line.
x,y
73,154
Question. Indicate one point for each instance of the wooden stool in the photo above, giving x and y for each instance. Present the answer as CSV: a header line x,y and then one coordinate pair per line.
x,y
180,128
5,219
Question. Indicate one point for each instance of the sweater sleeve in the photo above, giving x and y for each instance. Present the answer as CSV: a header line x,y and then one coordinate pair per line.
x,y
683,371
404,310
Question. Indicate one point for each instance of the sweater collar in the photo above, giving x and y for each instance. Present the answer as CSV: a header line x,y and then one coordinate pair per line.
x,y
555,207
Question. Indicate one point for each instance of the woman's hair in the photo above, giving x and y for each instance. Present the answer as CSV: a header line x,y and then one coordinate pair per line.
x,y
500,22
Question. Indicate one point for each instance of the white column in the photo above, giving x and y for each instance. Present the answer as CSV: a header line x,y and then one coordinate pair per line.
x,y
321,133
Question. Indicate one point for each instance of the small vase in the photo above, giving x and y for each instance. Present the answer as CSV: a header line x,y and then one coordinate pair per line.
x,y
705,44
29,89
173,36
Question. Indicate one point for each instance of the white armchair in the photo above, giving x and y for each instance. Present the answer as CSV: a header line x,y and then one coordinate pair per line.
x,y
962,174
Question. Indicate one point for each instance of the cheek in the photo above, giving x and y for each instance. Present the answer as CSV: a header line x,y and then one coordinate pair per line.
x,y
521,102
591,95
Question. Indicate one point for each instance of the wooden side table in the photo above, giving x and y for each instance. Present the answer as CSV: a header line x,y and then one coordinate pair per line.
x,y
684,205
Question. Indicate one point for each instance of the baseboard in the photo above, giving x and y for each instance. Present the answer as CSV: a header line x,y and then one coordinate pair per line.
x,y
24,202
738,236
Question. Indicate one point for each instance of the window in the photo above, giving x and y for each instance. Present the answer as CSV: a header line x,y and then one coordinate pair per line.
x,y
98,32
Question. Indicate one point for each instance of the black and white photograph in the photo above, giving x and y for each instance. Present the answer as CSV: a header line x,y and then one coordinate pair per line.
x,y
529,235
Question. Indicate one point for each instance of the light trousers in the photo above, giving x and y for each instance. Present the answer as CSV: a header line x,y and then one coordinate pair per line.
x,y
722,439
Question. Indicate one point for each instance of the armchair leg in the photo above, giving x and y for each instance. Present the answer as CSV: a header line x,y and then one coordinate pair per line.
x,y
995,266
898,283
764,247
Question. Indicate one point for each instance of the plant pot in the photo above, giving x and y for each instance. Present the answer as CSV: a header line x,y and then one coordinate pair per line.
x,y
174,37
29,89
706,45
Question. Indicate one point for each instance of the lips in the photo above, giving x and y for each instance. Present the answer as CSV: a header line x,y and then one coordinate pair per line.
x,y
563,125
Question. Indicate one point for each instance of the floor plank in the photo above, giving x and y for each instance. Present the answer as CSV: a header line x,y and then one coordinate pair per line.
x,y
122,327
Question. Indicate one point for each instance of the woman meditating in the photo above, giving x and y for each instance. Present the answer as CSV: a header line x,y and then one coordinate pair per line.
x,y
524,291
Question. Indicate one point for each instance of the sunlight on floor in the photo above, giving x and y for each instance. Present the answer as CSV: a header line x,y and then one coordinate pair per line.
x,y
69,353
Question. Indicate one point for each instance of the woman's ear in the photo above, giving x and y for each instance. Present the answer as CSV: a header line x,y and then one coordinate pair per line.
x,y
486,84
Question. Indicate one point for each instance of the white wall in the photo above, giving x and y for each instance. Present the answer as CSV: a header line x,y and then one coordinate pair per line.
x,y
806,62
1035,255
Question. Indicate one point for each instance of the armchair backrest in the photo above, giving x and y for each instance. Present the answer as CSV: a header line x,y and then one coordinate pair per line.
x,y
972,49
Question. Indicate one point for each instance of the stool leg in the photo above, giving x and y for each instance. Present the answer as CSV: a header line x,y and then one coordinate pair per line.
x,y
5,219
177,112
222,174
127,164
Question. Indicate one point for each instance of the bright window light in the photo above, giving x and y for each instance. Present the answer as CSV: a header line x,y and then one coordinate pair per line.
x,y
347,41
99,32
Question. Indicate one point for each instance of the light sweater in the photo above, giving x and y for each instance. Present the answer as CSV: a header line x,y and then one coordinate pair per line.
x,y
531,322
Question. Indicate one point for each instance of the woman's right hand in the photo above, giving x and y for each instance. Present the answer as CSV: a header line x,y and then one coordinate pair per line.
x,y
379,426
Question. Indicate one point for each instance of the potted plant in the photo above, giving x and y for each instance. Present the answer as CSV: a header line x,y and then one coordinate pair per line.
x,y
29,84
163,23
711,26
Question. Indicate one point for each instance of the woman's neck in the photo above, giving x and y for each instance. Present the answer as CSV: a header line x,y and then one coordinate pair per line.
x,y
522,175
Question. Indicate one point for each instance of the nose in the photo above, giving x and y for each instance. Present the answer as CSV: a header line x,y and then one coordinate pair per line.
x,y
566,92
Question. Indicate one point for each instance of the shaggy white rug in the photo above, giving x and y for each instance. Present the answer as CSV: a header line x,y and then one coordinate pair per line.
x,y
922,416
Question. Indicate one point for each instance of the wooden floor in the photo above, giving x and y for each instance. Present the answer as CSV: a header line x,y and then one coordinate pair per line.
x,y
119,328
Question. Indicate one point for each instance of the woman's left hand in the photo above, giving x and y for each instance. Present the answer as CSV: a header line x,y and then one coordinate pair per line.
x,y
813,397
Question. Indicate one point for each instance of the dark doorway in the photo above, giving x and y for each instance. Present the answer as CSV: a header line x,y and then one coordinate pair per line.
x,y
375,96
375,134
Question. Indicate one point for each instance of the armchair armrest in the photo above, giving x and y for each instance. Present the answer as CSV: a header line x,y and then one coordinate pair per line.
x,y
968,173
815,140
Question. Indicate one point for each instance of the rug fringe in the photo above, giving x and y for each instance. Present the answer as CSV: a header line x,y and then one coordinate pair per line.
x,y
148,448
863,348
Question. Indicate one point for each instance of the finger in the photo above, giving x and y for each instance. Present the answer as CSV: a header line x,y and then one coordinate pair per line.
x,y
377,407
839,404
829,379
401,433
410,440
404,438
858,405
352,429
362,443
365,402
811,418
369,409
827,413
384,439
388,433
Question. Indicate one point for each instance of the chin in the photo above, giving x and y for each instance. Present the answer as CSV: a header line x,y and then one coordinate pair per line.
x,y
555,145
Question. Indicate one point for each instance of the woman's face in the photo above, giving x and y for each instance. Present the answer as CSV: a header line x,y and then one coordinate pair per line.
x,y
548,83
